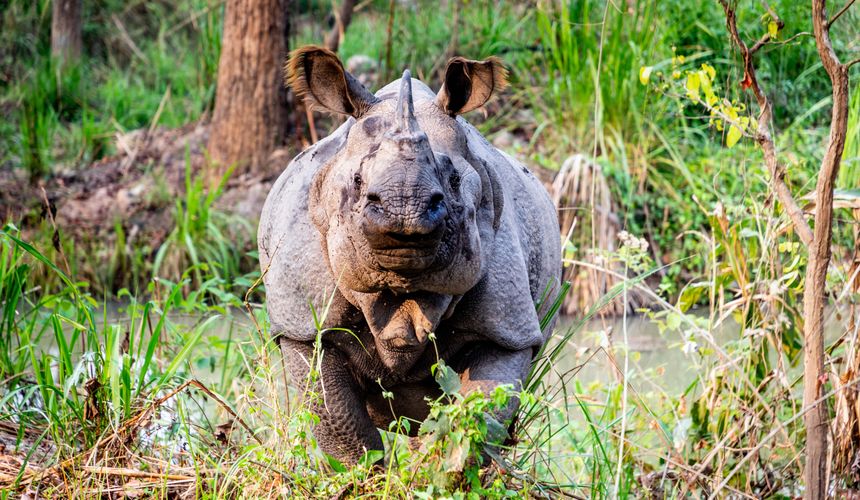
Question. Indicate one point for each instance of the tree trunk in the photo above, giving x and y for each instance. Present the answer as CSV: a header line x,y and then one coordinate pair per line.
x,y
251,113
342,19
814,298
66,41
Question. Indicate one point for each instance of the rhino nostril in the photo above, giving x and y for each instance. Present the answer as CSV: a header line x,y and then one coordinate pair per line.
x,y
436,199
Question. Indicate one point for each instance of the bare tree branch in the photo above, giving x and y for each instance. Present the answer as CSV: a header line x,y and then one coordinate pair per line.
x,y
342,19
763,135
838,14
852,63
791,38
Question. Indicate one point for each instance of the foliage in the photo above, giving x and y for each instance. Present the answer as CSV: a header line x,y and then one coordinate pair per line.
x,y
204,236
162,52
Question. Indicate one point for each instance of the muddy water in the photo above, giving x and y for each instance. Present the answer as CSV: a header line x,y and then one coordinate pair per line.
x,y
665,361
659,357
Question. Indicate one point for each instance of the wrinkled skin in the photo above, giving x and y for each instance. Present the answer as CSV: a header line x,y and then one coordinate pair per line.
x,y
403,222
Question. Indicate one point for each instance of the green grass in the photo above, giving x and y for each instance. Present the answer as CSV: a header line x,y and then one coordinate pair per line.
x,y
204,236
152,381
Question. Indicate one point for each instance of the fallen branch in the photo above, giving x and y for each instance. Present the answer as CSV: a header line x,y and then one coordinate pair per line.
x,y
140,474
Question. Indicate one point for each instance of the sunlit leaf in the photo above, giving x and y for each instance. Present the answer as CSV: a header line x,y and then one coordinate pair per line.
x,y
691,294
692,85
733,136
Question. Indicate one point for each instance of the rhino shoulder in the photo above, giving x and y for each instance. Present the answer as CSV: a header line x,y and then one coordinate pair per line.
x,y
525,261
292,261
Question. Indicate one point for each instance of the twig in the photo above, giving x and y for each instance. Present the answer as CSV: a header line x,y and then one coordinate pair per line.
x,y
342,19
772,433
193,17
160,109
763,137
127,39
196,383
126,472
844,8
791,38
852,63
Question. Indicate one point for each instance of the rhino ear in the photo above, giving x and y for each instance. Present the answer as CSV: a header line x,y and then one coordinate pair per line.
x,y
317,75
470,84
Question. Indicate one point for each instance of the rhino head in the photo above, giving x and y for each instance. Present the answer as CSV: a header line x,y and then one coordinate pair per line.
x,y
407,214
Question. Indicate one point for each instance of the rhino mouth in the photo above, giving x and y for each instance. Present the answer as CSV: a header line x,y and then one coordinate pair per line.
x,y
406,252
406,259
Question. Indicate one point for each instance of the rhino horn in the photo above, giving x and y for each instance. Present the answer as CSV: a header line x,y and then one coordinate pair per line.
x,y
405,122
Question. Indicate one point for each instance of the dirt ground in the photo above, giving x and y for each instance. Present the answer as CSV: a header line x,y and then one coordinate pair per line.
x,y
137,189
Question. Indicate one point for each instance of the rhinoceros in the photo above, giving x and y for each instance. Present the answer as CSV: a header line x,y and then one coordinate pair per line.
x,y
403,236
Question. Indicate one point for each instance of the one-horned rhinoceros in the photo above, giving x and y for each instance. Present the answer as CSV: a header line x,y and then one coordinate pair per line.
x,y
403,226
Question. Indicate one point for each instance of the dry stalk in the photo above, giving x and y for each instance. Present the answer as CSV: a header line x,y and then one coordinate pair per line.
x,y
580,184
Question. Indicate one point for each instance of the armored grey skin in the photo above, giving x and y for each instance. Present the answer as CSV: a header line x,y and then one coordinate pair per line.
x,y
403,222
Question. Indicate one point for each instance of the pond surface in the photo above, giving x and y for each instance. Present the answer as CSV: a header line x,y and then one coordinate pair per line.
x,y
666,360
663,359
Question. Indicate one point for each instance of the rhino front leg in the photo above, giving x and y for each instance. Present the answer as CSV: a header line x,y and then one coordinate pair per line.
x,y
345,430
486,367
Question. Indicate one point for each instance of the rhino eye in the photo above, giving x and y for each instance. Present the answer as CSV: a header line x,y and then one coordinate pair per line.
x,y
454,181
356,180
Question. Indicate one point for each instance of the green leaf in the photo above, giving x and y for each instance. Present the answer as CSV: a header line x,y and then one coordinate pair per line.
x,y
645,74
690,295
733,136
371,457
335,464
447,378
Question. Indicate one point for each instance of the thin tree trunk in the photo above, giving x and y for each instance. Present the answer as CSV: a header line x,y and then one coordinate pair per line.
x,y
814,298
341,23
818,239
251,113
66,38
